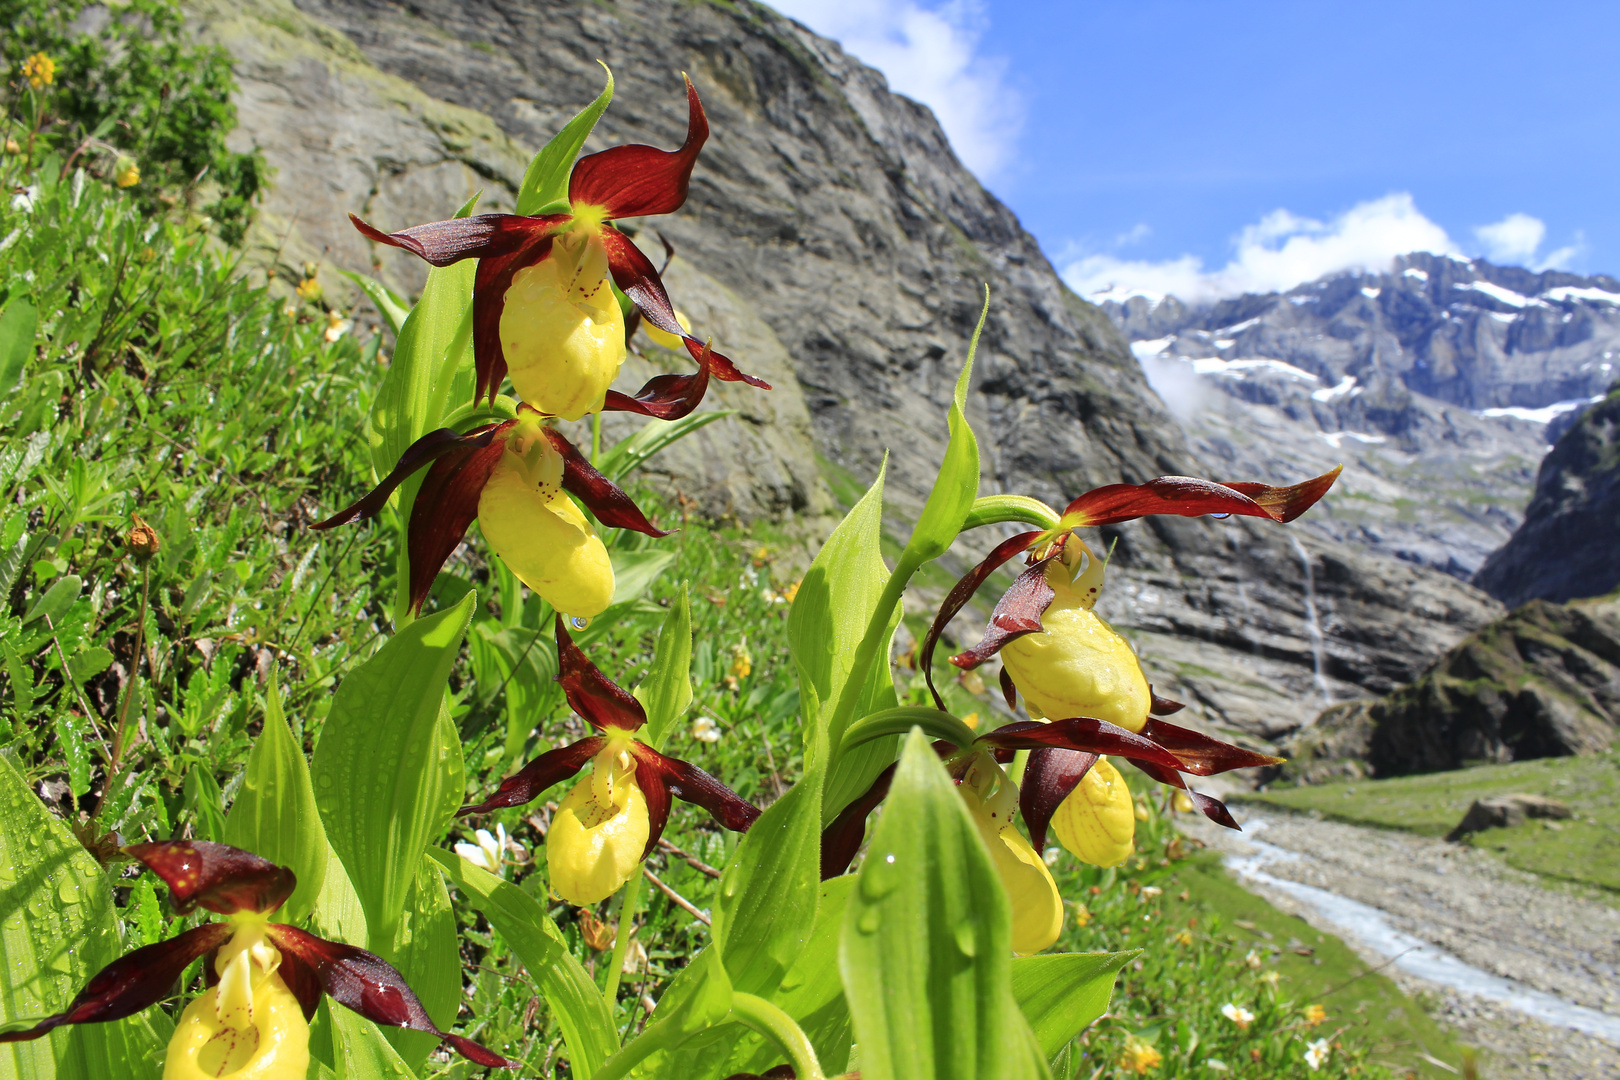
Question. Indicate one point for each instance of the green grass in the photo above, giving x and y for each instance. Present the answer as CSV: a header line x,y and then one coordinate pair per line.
x,y
1584,849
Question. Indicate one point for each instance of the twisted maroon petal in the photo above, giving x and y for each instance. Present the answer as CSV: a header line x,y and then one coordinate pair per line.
x,y
218,877
1049,775
132,982
445,507
483,236
639,180
371,986
666,397
1017,613
1163,706
600,495
661,777
529,782
1207,805
1188,496
422,452
654,785
1009,690
961,593
1079,733
603,703
842,839
1201,755
300,979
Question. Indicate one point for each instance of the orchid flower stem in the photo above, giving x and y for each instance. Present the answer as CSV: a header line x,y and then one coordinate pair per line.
x,y
776,1025
621,940
995,509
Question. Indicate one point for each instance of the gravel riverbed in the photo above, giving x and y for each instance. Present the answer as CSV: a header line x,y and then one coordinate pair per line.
x,y
1495,918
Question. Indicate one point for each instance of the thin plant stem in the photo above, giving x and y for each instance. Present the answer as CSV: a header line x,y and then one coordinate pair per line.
x,y
621,941
770,1021
120,732
67,677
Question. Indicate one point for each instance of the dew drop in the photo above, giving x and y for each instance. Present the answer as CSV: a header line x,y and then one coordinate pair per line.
x,y
879,877
579,622
68,890
1220,517
966,933
868,921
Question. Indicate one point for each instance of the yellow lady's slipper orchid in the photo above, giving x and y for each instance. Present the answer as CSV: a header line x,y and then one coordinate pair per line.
x,y
1097,820
1077,665
1037,907
600,830
562,330
664,337
249,1026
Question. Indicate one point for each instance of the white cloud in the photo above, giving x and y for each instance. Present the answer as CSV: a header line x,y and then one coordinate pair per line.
x,y
929,52
1276,253
1513,240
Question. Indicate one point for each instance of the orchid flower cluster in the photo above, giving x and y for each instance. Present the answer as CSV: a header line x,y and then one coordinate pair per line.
x,y
555,295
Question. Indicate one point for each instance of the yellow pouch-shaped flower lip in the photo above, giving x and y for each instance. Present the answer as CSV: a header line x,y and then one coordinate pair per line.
x,y
249,1026
1037,906
545,540
1097,821
599,832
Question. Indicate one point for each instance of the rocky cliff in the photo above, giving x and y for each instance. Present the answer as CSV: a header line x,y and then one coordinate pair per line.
x,y
834,244
1569,544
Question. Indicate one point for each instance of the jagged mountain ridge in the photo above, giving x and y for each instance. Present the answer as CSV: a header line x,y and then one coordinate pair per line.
x,y
833,244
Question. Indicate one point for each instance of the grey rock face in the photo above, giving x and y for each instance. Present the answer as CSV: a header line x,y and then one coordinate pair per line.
x,y
1569,544
845,234
1501,811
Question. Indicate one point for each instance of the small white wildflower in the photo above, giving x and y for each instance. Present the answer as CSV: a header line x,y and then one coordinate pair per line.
x,y
1151,891
1051,855
336,325
1238,1015
1316,1053
1216,1065
488,852
1253,959
704,729
24,198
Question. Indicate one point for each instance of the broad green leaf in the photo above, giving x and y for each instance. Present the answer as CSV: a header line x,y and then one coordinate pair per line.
x,y
587,1025
666,692
426,952
836,600
1060,994
18,323
628,454
338,912
926,952
361,1051
699,999
545,182
395,309
59,930
768,893
206,803
957,484
56,600
274,814
388,770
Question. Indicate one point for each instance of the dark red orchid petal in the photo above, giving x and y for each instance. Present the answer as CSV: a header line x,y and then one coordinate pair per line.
x,y
1017,613
633,272
484,236
1207,805
218,877
427,449
600,495
490,285
638,180
529,782
1049,775
1079,733
1287,503
661,777
654,784
842,839
602,702
132,982
1188,496
961,593
445,506
666,397
1163,706
1009,690
301,980
1202,755
369,985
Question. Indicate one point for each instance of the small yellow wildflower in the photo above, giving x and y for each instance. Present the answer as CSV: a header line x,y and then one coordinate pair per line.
x,y
1082,915
762,555
971,720
1314,1015
1139,1056
309,289
791,591
1271,977
742,664
1183,937
129,173
39,70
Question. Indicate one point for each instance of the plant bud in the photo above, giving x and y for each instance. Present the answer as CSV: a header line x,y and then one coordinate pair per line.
x,y
539,533
248,1026
1077,665
1097,820
562,330
141,541
597,835
1037,907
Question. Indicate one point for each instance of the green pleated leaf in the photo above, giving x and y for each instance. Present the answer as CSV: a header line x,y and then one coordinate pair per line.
x,y
1060,994
545,182
388,773
587,1025
18,323
836,600
274,814
958,482
769,890
427,953
205,802
58,930
926,950
666,692
361,1051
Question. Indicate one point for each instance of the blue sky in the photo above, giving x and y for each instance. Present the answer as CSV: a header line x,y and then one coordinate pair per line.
x,y
1209,147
